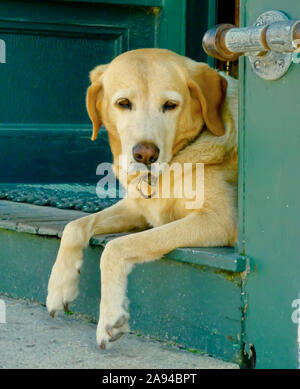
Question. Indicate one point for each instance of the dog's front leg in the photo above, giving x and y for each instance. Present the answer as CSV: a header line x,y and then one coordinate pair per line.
x,y
119,256
63,282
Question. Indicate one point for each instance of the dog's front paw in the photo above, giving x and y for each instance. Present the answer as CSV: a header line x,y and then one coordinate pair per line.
x,y
112,325
62,288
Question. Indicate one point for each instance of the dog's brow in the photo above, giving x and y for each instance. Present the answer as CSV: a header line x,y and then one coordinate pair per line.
x,y
125,93
172,95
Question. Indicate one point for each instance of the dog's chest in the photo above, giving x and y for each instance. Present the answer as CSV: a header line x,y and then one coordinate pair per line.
x,y
161,211
155,212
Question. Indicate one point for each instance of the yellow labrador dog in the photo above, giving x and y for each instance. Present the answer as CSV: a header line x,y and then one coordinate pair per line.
x,y
158,108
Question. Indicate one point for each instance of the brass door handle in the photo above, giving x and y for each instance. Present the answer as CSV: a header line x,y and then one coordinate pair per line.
x,y
269,43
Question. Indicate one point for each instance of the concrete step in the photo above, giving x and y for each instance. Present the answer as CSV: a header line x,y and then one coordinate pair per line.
x,y
32,339
192,297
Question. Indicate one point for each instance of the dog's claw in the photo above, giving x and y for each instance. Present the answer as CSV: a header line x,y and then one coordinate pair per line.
x,y
116,337
109,331
119,323
52,314
66,307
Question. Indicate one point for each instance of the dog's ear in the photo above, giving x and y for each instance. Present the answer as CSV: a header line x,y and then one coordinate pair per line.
x,y
94,96
208,91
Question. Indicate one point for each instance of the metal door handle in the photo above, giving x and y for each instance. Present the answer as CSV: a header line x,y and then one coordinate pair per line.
x,y
269,43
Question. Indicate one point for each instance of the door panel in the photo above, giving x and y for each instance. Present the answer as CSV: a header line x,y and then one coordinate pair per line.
x,y
47,89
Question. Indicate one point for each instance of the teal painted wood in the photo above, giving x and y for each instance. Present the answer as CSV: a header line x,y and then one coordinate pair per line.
x,y
61,43
198,21
146,3
270,141
171,35
212,20
195,307
224,258
51,154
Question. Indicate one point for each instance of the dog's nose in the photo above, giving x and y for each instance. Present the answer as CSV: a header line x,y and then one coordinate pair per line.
x,y
145,152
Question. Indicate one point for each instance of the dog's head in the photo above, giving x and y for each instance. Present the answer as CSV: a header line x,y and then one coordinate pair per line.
x,y
153,102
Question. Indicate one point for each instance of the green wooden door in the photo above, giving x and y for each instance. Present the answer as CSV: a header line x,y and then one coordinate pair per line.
x,y
269,201
50,48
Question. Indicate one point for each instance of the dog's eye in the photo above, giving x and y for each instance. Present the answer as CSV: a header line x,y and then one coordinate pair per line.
x,y
124,104
169,105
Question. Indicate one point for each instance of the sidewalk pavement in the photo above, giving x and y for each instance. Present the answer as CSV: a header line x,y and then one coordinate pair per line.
x,y
30,338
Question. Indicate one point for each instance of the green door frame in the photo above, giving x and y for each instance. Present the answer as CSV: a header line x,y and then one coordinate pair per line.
x,y
269,192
